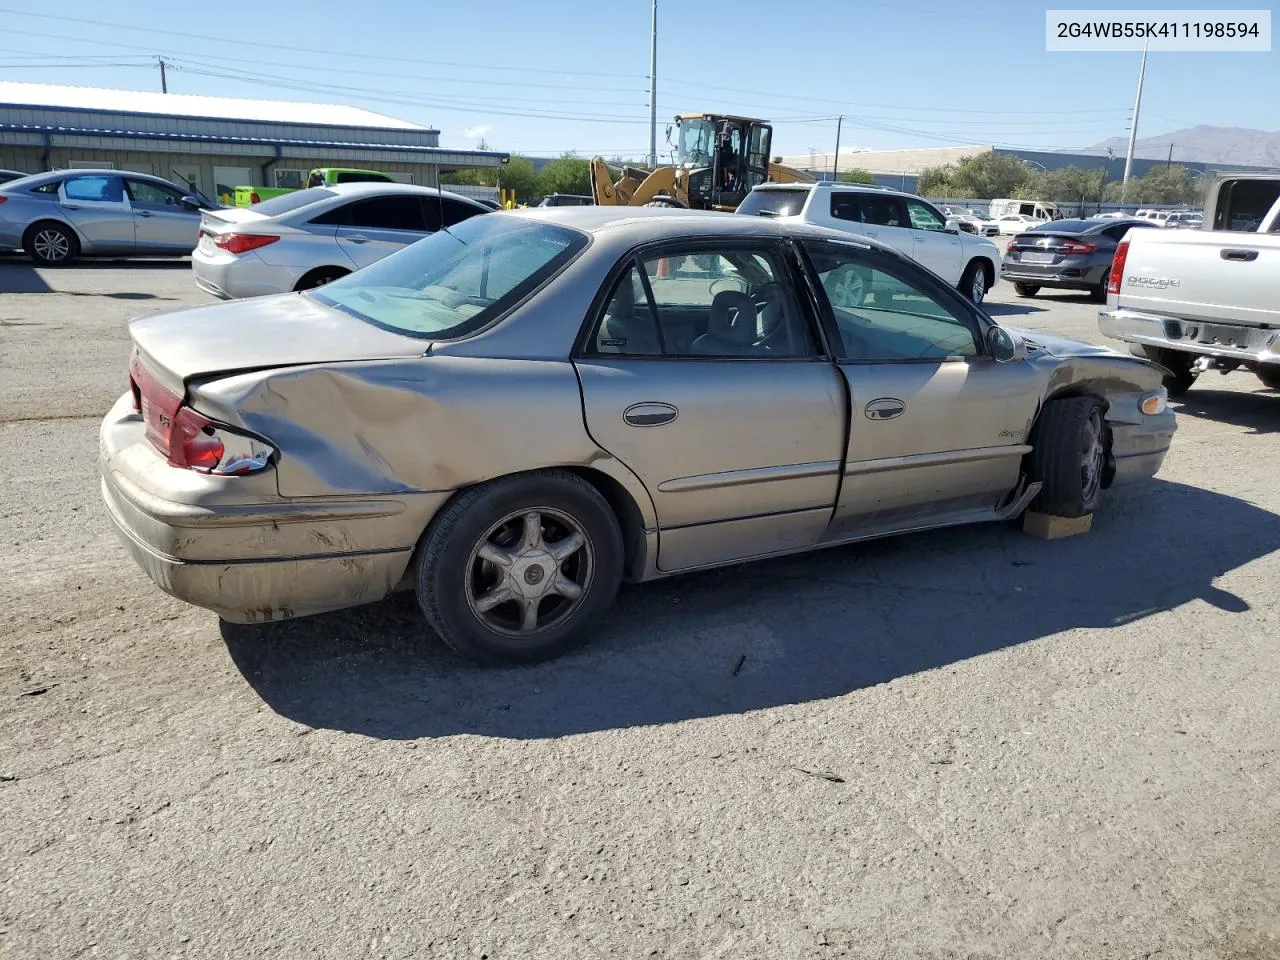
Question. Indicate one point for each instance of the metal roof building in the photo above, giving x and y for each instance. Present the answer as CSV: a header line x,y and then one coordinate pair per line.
x,y
213,143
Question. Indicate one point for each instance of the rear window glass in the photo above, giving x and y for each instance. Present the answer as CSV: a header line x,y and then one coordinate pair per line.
x,y
774,203
454,282
362,176
291,201
1065,226
1242,204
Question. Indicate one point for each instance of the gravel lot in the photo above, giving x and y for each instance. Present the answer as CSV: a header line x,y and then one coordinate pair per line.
x,y
967,744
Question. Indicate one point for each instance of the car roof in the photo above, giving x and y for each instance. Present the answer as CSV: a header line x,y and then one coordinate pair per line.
x,y
642,224
36,179
833,184
349,190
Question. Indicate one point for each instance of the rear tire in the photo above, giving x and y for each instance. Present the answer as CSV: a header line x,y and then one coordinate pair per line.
x,y
1181,375
1068,455
1269,376
482,560
50,244
1099,293
664,201
319,277
1026,289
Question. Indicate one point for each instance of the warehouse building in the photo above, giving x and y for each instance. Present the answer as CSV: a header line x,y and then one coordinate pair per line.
x,y
214,143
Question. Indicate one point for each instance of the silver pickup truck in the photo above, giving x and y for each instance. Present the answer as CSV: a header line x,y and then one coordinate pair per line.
x,y
1196,300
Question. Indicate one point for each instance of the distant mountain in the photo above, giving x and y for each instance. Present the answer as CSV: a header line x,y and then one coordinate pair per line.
x,y
1205,144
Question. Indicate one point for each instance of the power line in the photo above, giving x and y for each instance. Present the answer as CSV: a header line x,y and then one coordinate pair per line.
x,y
237,41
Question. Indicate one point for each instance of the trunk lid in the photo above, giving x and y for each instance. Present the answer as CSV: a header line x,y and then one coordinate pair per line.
x,y
286,330
1204,275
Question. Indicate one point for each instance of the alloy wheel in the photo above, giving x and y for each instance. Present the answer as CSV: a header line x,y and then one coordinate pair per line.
x,y
51,246
1091,456
529,572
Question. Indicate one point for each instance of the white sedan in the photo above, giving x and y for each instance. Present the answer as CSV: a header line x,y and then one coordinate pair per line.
x,y
308,238
1015,223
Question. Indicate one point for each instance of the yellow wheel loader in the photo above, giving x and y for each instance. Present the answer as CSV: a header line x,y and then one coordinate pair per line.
x,y
719,158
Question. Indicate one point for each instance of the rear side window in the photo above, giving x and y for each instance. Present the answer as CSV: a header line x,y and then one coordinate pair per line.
x,y
292,201
774,203
1242,204
51,187
455,211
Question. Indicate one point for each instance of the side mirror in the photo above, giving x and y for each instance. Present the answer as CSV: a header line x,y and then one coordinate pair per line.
x,y
1005,346
191,203
953,226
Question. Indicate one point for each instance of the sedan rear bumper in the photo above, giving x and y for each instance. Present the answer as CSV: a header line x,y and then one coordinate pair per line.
x,y
234,546
1066,276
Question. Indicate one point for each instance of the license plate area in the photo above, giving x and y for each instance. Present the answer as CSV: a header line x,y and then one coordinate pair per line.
x,y
1226,335
206,244
1037,258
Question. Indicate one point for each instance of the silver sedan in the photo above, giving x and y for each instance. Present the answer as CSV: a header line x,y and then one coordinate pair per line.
x,y
513,416
56,217
306,239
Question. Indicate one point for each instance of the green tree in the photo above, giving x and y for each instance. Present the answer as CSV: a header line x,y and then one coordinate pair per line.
x,y
1068,185
985,176
1162,185
517,174
857,176
935,181
568,174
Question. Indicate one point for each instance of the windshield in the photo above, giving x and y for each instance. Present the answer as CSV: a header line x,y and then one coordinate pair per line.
x,y
774,203
697,138
456,281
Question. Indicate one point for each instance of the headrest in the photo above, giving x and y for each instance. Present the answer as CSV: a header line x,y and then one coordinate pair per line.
x,y
733,318
624,297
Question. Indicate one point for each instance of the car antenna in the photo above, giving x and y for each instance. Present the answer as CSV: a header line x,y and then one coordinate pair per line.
x,y
440,204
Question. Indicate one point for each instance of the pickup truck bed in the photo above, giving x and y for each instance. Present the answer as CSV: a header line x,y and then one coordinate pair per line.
x,y
1194,300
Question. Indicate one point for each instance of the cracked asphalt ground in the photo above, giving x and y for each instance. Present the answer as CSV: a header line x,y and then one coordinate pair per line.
x,y
965,744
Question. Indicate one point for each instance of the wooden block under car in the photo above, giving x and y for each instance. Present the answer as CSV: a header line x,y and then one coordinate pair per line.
x,y
1045,526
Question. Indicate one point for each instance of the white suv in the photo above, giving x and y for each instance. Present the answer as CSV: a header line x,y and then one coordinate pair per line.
x,y
903,221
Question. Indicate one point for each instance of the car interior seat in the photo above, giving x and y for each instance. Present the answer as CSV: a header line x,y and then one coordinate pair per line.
x,y
731,327
627,327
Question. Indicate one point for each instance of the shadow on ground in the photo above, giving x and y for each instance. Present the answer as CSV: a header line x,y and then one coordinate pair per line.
x,y
766,634
1259,411
1010,309
20,276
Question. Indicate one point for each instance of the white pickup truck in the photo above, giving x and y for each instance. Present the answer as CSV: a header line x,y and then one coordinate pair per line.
x,y
1195,300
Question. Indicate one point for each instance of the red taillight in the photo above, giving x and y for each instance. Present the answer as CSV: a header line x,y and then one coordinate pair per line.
x,y
192,443
241,242
188,439
254,198
3,199
1075,246
1117,267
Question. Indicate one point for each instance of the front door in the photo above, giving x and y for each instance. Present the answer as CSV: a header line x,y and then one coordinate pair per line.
x,y
161,222
96,204
938,429
702,375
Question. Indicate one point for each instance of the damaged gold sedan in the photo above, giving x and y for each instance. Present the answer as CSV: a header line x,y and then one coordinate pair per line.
x,y
512,416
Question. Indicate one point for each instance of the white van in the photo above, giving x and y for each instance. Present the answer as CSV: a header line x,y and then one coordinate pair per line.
x,y
1035,209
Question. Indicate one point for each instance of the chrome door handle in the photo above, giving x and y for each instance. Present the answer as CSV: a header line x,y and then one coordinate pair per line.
x,y
1243,256
71,206
649,414
143,213
357,239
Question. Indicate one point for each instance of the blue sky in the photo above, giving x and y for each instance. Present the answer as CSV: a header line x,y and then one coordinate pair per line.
x,y
556,75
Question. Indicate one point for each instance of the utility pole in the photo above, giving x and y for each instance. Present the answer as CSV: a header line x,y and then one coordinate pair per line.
x,y
835,161
1169,163
164,82
653,88
1133,126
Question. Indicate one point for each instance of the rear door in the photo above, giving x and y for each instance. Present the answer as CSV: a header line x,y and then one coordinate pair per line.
x,y
937,429
370,229
703,375
161,222
97,206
